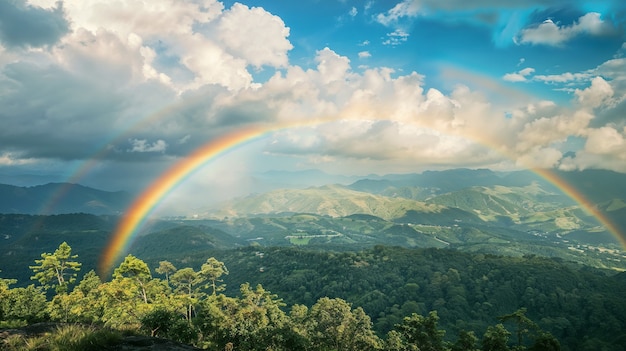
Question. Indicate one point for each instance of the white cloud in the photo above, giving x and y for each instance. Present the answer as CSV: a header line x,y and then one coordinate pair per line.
x,y
606,140
396,37
563,77
353,11
519,76
548,130
550,33
540,157
158,78
331,66
596,94
255,35
406,8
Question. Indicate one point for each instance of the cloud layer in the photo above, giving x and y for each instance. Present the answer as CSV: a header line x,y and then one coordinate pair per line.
x,y
151,81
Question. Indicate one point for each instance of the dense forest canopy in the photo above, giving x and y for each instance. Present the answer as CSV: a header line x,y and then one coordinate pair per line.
x,y
383,298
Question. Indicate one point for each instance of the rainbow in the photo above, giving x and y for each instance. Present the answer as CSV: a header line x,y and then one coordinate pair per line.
x,y
145,203
148,200
584,203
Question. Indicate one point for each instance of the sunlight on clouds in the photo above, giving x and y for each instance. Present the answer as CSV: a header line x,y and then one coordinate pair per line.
x,y
519,76
406,8
596,94
159,78
255,35
540,157
547,130
550,33
606,140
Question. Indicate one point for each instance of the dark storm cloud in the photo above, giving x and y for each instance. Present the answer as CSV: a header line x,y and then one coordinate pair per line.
x,y
25,25
49,113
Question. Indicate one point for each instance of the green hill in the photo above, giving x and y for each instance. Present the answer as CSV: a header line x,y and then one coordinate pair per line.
x,y
331,200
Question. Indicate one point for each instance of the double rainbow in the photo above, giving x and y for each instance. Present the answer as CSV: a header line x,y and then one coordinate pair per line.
x,y
145,203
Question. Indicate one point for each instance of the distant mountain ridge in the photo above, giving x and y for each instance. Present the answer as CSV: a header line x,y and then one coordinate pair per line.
x,y
60,198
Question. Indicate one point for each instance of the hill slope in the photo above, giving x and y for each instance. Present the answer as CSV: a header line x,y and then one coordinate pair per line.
x,y
330,200
59,198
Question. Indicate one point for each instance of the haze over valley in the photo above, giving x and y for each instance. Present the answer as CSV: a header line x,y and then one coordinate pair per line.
x,y
313,175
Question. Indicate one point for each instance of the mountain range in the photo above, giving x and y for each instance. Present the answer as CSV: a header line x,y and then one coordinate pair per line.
x,y
58,198
513,213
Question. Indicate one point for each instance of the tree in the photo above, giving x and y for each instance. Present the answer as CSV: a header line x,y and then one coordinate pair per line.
x,y
333,325
523,324
496,338
466,342
25,304
4,296
213,270
137,270
167,268
56,269
187,281
545,342
422,332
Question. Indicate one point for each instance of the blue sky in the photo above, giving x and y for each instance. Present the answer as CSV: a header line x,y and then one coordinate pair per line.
x,y
111,94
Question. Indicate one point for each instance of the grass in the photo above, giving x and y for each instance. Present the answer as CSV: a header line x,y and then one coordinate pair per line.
x,y
71,337
301,240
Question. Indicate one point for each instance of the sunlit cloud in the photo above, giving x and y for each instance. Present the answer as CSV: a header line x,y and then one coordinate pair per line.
x,y
551,33
152,81
405,8
519,76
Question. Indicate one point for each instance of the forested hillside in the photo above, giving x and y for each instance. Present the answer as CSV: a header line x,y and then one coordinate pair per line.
x,y
384,298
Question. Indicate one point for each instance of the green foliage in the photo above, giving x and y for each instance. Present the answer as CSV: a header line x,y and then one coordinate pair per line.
x,y
213,270
187,282
24,304
545,342
166,268
57,269
403,284
136,270
468,291
466,341
164,323
422,333
332,324
496,338
67,338
523,325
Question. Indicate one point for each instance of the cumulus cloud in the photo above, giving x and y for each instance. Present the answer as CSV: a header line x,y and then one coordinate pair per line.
x,y
23,25
405,8
606,140
596,94
551,33
255,35
149,84
519,76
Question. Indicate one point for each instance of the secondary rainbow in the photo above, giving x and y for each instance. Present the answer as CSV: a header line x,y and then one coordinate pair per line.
x,y
151,196
145,203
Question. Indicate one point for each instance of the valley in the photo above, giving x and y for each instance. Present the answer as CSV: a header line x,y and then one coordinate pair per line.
x,y
391,246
